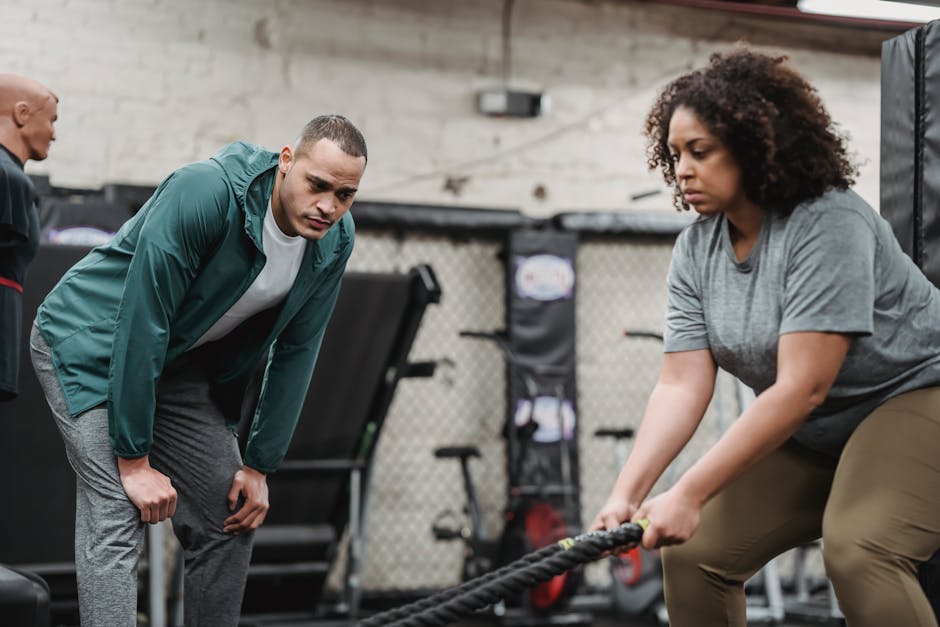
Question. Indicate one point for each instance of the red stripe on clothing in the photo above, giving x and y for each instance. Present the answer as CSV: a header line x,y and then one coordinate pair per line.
x,y
11,284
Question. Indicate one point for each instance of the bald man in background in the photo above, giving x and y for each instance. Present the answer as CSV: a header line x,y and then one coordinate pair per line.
x,y
28,111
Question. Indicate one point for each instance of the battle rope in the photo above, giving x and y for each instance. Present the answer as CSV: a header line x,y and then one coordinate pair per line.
x,y
528,571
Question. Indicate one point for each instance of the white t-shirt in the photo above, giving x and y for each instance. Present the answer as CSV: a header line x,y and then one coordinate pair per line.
x,y
284,255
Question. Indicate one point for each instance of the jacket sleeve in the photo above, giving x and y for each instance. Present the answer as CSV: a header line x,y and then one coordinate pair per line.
x,y
288,373
184,219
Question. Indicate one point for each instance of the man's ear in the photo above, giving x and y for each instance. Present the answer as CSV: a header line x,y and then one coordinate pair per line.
x,y
285,160
21,113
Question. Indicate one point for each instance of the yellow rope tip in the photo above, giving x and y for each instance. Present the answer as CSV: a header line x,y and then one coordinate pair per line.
x,y
643,523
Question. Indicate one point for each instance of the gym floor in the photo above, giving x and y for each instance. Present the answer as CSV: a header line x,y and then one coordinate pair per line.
x,y
621,621
814,616
592,610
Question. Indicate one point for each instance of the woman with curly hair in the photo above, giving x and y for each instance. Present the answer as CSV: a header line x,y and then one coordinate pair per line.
x,y
792,283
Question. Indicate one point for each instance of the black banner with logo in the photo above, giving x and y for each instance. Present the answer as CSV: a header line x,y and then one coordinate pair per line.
x,y
541,425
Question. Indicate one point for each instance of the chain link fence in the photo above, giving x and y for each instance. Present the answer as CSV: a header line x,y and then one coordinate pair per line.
x,y
621,286
463,403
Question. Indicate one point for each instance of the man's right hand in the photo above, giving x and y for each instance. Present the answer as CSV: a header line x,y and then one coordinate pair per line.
x,y
148,489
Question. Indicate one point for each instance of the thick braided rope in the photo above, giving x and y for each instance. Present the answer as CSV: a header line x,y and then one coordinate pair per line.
x,y
399,613
530,570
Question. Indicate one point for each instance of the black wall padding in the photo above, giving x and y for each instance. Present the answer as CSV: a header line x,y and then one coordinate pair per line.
x,y
127,198
56,214
37,525
910,143
462,221
429,218
619,223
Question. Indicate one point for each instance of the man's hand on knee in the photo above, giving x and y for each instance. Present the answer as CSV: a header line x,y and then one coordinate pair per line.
x,y
150,490
253,486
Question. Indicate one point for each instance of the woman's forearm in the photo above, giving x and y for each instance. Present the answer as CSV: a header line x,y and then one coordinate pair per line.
x,y
772,418
672,415
807,365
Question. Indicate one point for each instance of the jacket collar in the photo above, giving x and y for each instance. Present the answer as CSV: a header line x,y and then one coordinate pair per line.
x,y
251,171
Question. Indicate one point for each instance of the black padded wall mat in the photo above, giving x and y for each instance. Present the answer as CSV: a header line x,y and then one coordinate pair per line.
x,y
910,143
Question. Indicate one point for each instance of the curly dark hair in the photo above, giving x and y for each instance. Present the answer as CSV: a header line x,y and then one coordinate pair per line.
x,y
769,117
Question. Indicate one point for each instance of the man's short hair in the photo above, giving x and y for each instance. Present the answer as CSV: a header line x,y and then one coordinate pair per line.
x,y
337,129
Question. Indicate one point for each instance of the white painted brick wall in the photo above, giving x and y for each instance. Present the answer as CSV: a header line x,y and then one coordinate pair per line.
x,y
147,85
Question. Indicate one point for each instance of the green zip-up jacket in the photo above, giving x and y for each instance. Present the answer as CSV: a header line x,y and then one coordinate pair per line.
x,y
136,304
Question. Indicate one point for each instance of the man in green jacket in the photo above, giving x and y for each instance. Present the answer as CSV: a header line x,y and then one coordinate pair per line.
x,y
145,347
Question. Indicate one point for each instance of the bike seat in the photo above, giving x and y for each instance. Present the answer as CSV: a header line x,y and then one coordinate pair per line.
x,y
463,452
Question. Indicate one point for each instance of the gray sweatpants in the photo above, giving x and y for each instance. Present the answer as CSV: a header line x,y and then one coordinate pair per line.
x,y
199,453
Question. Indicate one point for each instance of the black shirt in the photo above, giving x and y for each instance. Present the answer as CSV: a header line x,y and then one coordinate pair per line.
x,y
19,240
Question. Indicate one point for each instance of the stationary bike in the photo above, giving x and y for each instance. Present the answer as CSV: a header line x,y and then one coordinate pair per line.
x,y
636,574
538,511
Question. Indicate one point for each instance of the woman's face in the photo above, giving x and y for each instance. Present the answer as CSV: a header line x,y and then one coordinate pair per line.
x,y
707,174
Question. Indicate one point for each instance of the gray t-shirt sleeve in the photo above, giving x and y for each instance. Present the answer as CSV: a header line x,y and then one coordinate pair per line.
x,y
829,283
685,316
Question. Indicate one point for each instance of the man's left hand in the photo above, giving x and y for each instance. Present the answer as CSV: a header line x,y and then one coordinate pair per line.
x,y
253,486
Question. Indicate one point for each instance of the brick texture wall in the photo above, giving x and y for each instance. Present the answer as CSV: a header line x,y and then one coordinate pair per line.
x,y
147,85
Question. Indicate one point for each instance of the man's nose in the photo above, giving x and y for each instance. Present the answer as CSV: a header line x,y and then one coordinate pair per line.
x,y
326,205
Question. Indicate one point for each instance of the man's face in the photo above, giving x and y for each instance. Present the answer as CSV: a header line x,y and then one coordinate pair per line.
x,y
317,188
38,132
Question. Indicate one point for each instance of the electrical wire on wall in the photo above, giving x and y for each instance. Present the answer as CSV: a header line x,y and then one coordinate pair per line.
x,y
459,169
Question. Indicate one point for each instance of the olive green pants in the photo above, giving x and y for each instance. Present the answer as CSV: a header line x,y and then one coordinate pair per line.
x,y
877,509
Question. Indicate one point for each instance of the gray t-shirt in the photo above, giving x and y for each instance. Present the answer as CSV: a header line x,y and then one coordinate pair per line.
x,y
832,265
